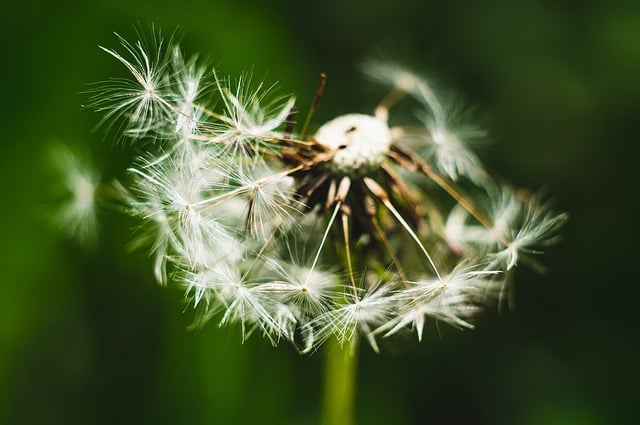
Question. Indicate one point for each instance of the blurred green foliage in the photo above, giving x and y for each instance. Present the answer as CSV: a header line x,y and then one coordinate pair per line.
x,y
87,337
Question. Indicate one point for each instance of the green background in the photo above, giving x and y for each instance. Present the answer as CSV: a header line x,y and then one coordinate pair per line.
x,y
87,337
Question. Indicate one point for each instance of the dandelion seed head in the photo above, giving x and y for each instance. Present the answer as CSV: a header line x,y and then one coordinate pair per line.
x,y
230,198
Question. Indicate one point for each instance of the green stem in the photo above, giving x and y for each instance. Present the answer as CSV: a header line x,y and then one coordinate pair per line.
x,y
340,383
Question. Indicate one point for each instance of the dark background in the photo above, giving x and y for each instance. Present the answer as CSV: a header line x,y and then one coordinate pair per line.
x,y
87,337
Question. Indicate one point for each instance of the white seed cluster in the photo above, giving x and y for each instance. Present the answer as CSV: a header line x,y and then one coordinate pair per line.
x,y
359,141
298,239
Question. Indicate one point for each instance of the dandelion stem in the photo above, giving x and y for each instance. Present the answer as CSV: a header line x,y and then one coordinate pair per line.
x,y
340,383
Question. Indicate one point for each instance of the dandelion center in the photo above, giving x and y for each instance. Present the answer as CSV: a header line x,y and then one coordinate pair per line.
x,y
359,142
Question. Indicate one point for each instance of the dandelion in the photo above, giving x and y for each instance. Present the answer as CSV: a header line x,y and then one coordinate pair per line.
x,y
248,122
223,195
141,99
77,212
343,234
452,299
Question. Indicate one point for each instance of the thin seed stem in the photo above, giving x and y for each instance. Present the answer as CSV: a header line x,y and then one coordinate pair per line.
x,y
347,247
393,97
314,105
389,249
244,189
455,192
259,254
411,233
322,242
382,196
